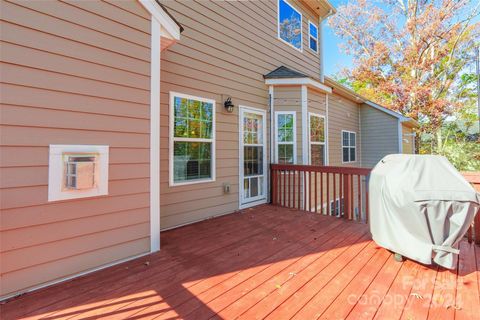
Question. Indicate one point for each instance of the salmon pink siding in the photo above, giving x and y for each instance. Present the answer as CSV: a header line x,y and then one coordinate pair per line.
x,y
226,48
74,72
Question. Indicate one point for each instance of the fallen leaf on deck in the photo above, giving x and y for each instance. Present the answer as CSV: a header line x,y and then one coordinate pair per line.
x,y
416,295
147,263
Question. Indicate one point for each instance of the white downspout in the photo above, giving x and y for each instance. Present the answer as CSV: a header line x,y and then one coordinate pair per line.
x,y
320,45
320,50
272,113
155,136
327,125
304,98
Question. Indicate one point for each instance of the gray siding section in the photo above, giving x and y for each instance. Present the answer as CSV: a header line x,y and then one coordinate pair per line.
x,y
379,135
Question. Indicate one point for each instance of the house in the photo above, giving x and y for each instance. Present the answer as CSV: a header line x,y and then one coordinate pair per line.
x,y
123,118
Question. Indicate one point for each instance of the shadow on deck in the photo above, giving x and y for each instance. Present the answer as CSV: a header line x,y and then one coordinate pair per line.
x,y
266,262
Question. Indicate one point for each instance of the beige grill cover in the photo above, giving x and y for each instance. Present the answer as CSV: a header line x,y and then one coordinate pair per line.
x,y
421,207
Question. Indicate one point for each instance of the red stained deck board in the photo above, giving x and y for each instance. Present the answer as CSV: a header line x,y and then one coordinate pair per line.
x,y
467,302
369,302
280,283
420,298
343,294
245,256
193,304
341,267
392,305
198,274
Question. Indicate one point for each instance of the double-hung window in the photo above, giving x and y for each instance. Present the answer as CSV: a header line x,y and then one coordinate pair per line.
x,y
192,139
289,25
312,36
349,146
317,139
285,133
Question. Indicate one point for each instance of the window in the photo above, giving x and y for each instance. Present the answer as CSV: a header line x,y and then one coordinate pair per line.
x,y
337,209
285,132
289,24
349,143
192,139
317,139
312,36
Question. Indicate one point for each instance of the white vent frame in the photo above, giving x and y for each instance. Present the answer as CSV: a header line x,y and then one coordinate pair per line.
x,y
56,192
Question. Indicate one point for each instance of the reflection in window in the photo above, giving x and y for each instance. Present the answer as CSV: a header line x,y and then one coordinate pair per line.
x,y
317,140
349,145
289,24
192,138
286,137
312,36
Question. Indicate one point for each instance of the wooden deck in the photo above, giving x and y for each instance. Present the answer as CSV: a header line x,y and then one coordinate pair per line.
x,y
266,262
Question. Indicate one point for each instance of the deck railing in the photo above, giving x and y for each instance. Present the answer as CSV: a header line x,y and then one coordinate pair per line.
x,y
473,233
339,191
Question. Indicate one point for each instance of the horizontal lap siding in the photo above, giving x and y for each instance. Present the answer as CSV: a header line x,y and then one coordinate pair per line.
x,y
224,51
379,135
343,114
72,73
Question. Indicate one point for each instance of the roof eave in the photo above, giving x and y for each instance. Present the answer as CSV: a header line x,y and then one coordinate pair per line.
x,y
306,81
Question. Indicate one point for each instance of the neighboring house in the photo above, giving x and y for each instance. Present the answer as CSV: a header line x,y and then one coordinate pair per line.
x,y
100,150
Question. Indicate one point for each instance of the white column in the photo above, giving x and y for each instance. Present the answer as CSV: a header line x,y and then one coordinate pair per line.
x,y
155,136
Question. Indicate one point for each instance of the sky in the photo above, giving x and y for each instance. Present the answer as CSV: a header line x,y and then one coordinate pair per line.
x,y
334,58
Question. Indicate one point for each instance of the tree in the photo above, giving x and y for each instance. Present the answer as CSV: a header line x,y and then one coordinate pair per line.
x,y
410,55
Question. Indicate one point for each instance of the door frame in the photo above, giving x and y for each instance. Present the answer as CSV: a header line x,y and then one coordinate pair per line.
x,y
241,110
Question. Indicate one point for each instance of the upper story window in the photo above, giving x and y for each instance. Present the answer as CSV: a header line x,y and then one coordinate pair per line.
x,y
289,24
285,132
317,139
192,139
312,36
349,145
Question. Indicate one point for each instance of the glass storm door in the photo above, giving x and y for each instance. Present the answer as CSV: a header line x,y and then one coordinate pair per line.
x,y
253,181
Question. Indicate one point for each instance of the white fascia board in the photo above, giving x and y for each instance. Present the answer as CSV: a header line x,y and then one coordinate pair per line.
x,y
300,82
170,28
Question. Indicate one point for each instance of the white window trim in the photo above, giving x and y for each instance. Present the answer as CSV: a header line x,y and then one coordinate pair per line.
x,y
172,139
294,142
356,143
310,23
311,114
241,175
301,25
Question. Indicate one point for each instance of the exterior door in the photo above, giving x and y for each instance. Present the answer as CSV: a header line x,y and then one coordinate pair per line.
x,y
253,162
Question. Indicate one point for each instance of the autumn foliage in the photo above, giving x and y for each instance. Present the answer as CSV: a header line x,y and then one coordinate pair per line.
x,y
410,55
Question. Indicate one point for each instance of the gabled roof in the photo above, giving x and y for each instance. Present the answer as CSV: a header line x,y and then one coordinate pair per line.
x,y
170,15
284,72
339,88
283,76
